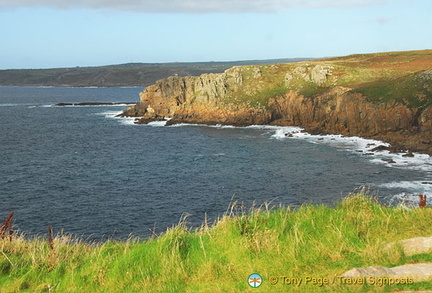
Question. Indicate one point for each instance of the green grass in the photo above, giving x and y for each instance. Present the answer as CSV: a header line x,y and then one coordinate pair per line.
x,y
411,90
262,98
312,241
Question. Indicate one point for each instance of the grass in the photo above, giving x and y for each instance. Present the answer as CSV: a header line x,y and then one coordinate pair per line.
x,y
314,241
381,77
262,98
410,90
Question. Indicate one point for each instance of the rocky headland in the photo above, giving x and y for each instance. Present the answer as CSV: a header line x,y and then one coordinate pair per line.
x,y
386,96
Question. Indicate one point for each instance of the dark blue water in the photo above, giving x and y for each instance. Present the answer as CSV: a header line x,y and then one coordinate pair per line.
x,y
96,176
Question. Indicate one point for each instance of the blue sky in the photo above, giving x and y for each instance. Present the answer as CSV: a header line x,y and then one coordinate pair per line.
x,y
65,33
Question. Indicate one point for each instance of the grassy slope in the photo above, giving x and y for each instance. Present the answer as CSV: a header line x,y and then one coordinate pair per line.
x,y
382,77
316,241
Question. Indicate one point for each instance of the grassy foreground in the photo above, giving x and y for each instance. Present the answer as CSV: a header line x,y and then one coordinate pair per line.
x,y
310,242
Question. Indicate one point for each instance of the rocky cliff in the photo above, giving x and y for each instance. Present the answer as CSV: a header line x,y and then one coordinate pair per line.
x,y
385,96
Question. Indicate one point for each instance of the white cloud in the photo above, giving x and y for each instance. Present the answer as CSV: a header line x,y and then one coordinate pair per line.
x,y
191,6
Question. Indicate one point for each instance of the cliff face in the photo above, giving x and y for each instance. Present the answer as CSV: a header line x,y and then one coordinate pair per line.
x,y
340,111
325,96
201,99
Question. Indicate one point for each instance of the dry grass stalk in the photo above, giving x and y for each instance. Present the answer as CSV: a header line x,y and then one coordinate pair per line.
x,y
50,237
7,227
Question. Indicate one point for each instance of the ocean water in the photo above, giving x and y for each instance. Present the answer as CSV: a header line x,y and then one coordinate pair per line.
x,y
96,176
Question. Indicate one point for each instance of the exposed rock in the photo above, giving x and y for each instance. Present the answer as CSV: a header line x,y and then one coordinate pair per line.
x,y
302,72
426,75
257,72
411,246
418,272
390,161
374,271
379,148
340,111
288,78
408,155
319,74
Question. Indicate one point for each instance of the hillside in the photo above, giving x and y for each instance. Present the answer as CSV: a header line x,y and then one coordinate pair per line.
x,y
281,245
132,74
386,96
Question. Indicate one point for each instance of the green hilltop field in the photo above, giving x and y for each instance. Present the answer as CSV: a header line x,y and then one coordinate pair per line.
x,y
382,77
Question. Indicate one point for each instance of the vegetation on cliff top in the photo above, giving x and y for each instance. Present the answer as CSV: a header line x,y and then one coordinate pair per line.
x,y
382,77
313,241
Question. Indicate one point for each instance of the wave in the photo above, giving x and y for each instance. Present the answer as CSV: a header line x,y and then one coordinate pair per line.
x,y
355,145
406,200
94,104
17,105
362,147
406,192
122,120
420,186
158,123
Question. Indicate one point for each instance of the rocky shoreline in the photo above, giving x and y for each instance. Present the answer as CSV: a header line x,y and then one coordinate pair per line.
x,y
310,95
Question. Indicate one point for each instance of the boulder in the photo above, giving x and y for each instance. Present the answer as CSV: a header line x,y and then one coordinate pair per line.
x,y
411,246
319,74
418,272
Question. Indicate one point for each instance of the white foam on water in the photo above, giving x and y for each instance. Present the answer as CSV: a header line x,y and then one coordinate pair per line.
x,y
355,145
110,114
363,147
127,120
419,187
92,106
15,105
158,123
407,200
122,120
108,105
189,124
222,126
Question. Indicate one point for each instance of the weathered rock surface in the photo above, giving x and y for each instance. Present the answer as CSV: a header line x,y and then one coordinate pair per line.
x,y
373,271
418,272
411,246
202,99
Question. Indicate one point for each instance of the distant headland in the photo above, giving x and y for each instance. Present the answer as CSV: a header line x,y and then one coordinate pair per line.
x,y
131,74
386,96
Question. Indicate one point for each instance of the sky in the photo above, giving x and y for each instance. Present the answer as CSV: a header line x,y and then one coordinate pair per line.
x,y
69,33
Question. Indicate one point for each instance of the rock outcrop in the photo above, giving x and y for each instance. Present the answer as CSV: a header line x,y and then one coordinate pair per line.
x,y
202,99
417,272
411,246
277,94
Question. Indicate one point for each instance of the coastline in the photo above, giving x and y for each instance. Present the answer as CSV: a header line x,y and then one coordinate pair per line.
x,y
386,96
399,142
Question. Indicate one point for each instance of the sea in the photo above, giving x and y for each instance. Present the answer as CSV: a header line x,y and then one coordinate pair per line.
x,y
95,176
